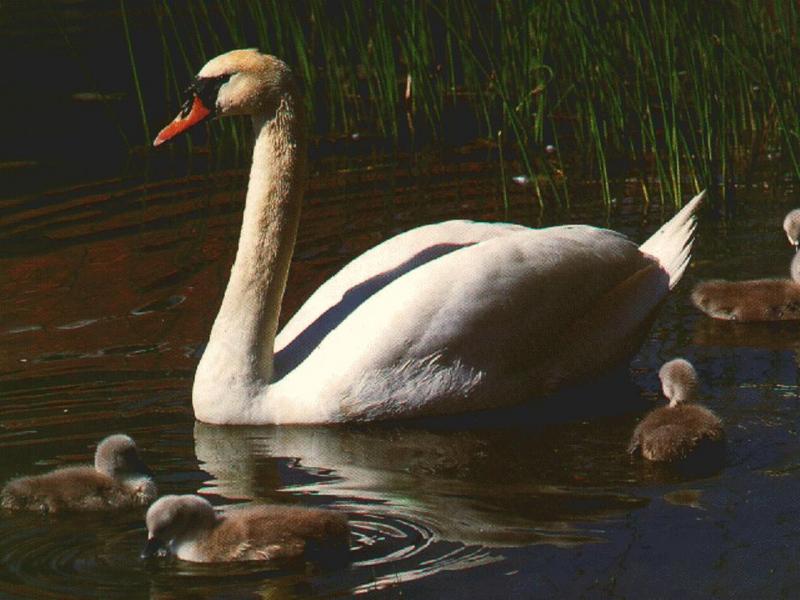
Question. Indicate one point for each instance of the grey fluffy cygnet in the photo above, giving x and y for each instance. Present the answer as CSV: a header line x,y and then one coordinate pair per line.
x,y
680,430
188,527
791,225
119,479
754,300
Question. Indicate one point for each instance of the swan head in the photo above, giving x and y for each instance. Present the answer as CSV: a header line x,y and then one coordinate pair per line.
x,y
678,381
791,225
172,520
117,456
239,82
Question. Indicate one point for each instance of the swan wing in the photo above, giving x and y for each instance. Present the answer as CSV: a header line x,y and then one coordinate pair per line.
x,y
368,273
460,331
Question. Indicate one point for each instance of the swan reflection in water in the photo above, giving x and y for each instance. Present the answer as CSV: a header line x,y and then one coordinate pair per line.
x,y
781,335
494,487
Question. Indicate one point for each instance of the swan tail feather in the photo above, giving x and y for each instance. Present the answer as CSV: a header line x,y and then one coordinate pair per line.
x,y
672,244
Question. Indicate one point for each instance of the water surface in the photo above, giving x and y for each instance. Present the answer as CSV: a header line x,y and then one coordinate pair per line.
x,y
109,289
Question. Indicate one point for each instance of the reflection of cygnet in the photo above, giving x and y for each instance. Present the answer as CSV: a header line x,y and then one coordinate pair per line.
x,y
754,300
119,479
189,528
680,430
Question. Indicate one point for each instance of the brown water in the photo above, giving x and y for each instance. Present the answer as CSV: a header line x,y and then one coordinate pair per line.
x,y
108,292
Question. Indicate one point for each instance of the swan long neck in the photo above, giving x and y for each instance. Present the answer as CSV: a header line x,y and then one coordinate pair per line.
x,y
240,348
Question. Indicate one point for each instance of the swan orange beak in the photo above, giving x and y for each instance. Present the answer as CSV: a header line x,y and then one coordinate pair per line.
x,y
191,115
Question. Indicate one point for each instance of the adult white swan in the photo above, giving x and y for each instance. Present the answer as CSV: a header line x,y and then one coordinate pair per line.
x,y
446,318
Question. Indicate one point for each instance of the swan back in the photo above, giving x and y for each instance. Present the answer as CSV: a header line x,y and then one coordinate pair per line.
x,y
485,314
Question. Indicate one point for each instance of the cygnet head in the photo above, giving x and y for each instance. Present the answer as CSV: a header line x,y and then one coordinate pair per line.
x,y
174,519
678,381
117,457
791,225
239,82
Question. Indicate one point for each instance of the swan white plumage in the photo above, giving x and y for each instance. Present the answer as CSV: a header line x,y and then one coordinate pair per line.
x,y
446,318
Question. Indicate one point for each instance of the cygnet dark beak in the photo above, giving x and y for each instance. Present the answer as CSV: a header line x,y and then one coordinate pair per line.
x,y
153,548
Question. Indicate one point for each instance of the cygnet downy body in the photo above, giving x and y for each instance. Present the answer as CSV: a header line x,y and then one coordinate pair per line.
x,y
753,300
188,527
119,479
681,430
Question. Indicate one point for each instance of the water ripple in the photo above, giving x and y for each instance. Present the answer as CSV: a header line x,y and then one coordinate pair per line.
x,y
70,556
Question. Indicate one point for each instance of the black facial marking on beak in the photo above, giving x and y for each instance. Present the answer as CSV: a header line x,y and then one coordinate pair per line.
x,y
206,89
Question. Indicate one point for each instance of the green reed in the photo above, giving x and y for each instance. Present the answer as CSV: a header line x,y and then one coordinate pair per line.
x,y
134,70
670,93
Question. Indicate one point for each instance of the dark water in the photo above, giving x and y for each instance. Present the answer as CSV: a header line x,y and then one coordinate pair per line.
x,y
108,292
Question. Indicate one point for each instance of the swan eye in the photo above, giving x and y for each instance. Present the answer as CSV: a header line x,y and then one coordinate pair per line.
x,y
206,89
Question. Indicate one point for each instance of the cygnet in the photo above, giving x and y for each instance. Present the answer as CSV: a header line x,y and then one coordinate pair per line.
x,y
119,479
753,300
681,430
189,528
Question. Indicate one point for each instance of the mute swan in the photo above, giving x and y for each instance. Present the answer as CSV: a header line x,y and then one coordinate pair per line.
x,y
753,300
680,430
446,318
119,479
190,529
